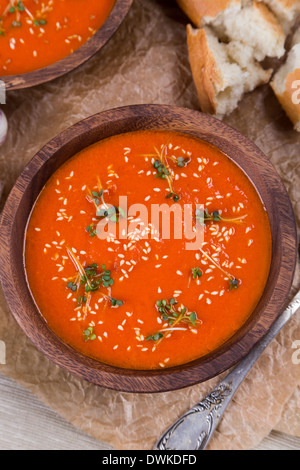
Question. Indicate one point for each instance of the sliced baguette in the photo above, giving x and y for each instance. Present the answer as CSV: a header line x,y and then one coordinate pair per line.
x,y
247,21
286,84
221,77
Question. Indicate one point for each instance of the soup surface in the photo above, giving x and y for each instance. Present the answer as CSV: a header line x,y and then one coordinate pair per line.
x,y
115,283
37,33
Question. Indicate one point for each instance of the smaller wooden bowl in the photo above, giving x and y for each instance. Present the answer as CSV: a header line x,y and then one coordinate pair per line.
x,y
238,148
77,58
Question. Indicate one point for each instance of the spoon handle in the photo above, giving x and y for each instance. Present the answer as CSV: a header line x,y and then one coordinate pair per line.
x,y
195,428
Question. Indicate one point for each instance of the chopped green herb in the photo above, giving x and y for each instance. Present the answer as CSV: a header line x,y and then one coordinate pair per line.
x,y
90,279
182,162
196,273
233,283
103,210
116,302
164,172
20,6
72,286
155,337
176,318
89,334
82,300
215,216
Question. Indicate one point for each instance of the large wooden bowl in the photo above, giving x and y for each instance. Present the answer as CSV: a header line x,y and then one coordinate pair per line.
x,y
77,58
27,188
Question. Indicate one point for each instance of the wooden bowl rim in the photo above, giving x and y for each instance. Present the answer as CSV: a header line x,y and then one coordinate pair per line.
x,y
139,381
77,58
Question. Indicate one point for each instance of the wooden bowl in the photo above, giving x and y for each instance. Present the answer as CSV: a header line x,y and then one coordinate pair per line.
x,y
28,186
77,58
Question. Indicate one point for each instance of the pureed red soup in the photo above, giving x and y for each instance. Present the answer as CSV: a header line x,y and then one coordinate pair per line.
x,y
110,284
37,33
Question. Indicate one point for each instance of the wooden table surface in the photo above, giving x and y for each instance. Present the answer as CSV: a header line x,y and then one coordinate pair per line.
x,y
27,424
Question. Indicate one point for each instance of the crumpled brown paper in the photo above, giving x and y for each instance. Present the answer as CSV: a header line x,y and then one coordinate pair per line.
x,y
147,62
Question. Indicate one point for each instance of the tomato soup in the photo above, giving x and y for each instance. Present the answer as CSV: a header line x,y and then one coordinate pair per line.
x,y
117,285
37,33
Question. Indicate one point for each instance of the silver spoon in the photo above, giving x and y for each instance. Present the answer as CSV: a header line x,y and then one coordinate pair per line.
x,y
195,428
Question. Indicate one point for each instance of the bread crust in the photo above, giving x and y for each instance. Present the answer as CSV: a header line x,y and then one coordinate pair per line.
x,y
287,99
197,10
204,69
288,4
269,17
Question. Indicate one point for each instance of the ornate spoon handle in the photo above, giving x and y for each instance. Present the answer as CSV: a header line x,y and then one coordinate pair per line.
x,y
195,428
